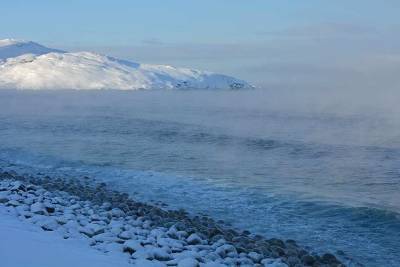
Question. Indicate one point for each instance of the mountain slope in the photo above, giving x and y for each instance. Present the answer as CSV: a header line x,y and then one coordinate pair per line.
x,y
13,48
27,65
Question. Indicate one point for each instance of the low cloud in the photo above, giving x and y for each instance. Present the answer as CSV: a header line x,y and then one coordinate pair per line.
x,y
330,55
325,30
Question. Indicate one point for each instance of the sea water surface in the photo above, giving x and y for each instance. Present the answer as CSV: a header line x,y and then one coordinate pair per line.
x,y
289,164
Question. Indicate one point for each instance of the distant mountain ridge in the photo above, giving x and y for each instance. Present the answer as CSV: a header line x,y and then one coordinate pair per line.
x,y
13,48
28,65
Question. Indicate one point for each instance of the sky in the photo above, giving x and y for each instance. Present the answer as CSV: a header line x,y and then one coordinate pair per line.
x,y
337,44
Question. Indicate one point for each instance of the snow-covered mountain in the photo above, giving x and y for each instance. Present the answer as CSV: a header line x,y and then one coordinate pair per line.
x,y
28,65
13,48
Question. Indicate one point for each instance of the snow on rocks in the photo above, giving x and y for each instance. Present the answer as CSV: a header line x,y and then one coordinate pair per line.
x,y
226,250
194,239
147,235
91,229
38,208
49,224
255,257
131,246
3,197
188,262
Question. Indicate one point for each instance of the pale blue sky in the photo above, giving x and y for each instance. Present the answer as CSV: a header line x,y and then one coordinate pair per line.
x,y
260,40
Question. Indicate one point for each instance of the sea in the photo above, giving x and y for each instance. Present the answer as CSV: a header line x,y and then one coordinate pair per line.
x,y
322,168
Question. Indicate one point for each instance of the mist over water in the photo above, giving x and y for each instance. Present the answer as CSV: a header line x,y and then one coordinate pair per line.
x,y
319,166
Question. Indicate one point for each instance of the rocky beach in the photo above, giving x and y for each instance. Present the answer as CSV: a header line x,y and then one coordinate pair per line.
x,y
148,234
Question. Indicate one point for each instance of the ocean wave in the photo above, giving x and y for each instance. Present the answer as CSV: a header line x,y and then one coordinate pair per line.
x,y
363,232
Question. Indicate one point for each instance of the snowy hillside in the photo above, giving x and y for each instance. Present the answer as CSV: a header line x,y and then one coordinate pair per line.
x,y
12,48
28,65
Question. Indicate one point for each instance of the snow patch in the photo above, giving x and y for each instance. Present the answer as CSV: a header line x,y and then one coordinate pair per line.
x,y
23,244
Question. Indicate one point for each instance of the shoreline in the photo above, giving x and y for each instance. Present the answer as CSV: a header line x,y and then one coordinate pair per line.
x,y
146,231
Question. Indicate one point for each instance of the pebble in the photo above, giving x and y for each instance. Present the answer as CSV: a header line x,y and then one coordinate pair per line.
x,y
38,208
194,239
188,262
